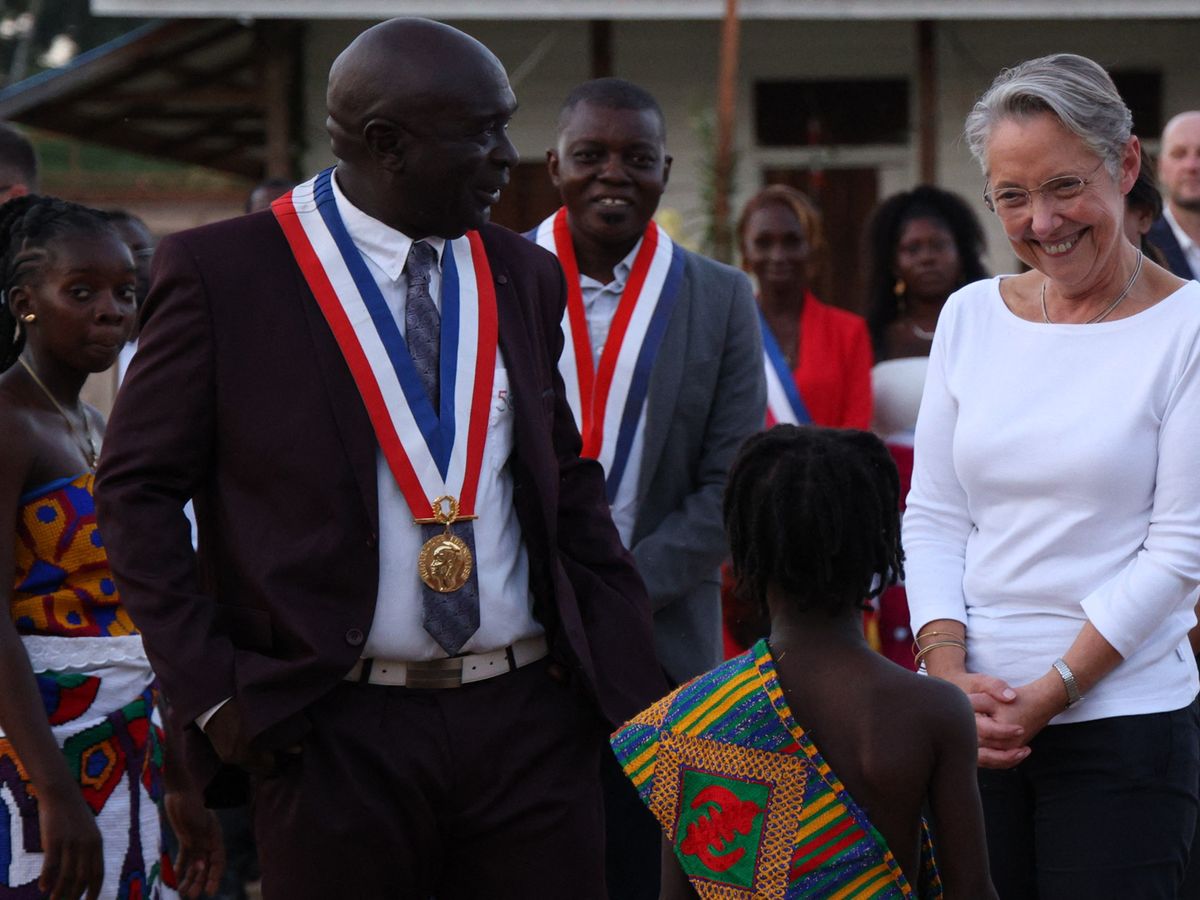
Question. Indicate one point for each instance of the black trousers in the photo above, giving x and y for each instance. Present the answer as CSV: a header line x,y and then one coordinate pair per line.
x,y
1101,809
488,790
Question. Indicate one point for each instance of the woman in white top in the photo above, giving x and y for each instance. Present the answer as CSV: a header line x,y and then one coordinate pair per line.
x,y
1053,529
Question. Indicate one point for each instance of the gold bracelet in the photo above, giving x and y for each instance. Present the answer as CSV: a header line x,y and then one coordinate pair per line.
x,y
959,644
916,646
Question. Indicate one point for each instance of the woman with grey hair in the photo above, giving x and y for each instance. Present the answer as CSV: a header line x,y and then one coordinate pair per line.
x,y
1053,528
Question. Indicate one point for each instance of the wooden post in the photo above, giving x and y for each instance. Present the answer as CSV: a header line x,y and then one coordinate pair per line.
x,y
926,102
600,33
276,40
726,109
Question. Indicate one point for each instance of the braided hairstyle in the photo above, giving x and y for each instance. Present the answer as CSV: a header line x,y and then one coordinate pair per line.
x,y
814,512
27,226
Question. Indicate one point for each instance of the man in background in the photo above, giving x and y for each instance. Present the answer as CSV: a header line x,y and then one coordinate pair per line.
x,y
1177,233
663,366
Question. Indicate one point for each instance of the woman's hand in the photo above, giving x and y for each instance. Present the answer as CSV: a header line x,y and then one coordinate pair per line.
x,y
74,859
201,860
1002,739
1035,705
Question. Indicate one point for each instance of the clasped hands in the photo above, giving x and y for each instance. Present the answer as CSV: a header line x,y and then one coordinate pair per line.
x,y
1007,718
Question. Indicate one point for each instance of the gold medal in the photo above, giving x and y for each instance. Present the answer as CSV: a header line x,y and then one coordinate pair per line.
x,y
445,561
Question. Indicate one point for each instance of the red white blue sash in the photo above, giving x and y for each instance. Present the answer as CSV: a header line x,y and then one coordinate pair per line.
x,y
785,406
607,396
427,450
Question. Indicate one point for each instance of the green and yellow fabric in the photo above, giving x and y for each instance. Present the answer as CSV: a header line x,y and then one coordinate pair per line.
x,y
743,794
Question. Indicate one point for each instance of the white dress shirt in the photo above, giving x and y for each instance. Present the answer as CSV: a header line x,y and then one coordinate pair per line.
x,y
502,564
600,302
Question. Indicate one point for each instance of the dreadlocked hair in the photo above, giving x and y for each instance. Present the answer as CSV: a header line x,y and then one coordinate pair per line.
x,y
814,512
27,225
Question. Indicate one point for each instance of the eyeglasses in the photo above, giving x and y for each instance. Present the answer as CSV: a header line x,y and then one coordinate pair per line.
x,y
1008,201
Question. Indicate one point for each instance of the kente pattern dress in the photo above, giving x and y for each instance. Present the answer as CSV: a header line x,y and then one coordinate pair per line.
x,y
743,794
99,694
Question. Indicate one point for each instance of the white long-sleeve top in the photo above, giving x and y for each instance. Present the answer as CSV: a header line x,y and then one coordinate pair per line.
x,y
1057,481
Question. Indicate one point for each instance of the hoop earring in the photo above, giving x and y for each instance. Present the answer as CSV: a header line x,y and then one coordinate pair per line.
x,y
29,318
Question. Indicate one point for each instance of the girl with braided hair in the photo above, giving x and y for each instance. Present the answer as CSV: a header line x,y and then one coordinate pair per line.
x,y
729,763
81,749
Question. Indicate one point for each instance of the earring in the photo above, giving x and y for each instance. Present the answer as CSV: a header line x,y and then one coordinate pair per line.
x,y
900,287
29,318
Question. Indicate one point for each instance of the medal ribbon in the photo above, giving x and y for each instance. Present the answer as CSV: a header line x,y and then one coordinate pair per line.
x,y
425,451
608,396
785,406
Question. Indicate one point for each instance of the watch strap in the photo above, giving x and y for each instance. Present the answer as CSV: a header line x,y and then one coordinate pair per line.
x,y
1069,682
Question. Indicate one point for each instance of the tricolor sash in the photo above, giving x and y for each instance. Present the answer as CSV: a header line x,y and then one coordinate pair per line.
x,y
607,396
426,450
785,406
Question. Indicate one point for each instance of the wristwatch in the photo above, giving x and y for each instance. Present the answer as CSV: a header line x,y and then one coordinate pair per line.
x,y
1069,682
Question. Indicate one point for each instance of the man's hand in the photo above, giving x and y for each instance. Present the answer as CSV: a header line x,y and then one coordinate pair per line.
x,y
74,860
201,858
227,735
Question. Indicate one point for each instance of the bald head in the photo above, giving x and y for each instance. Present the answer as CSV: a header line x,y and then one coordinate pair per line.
x,y
418,119
1179,163
399,70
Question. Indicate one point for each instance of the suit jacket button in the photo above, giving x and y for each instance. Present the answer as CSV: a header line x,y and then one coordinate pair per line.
x,y
501,279
355,637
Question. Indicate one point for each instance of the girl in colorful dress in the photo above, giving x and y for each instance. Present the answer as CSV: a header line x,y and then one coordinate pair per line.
x,y
81,745
800,768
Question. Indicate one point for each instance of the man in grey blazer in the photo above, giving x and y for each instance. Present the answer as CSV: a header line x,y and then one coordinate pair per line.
x,y
665,345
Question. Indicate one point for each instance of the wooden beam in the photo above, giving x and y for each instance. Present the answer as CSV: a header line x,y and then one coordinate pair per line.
x,y
600,37
277,41
94,73
927,93
726,110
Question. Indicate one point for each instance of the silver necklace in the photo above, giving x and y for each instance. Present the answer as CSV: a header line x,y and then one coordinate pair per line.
x,y
86,444
1137,270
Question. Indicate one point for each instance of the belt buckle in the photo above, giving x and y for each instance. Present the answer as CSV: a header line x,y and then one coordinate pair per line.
x,y
435,673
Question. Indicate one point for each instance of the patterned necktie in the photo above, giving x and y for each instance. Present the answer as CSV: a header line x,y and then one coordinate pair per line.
x,y
422,324
450,618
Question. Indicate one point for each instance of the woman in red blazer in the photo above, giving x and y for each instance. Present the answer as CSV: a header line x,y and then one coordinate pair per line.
x,y
827,349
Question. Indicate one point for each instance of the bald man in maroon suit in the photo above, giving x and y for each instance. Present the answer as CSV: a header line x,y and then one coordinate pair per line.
x,y
388,757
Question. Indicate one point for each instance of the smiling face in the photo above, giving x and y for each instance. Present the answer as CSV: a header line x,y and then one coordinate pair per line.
x,y
1179,164
84,295
927,259
1074,242
776,249
610,167
457,155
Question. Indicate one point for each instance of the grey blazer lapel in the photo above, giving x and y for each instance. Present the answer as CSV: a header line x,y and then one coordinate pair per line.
x,y
666,378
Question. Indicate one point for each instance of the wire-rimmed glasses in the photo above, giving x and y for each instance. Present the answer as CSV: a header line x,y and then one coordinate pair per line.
x,y
1010,201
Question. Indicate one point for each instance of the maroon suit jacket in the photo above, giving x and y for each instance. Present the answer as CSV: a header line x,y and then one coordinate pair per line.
x,y
240,398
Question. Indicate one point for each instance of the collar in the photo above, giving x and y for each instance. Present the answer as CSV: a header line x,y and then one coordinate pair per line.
x,y
1186,244
620,272
380,243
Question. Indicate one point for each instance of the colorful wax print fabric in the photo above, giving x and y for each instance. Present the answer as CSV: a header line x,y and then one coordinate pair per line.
x,y
63,586
743,794
106,724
